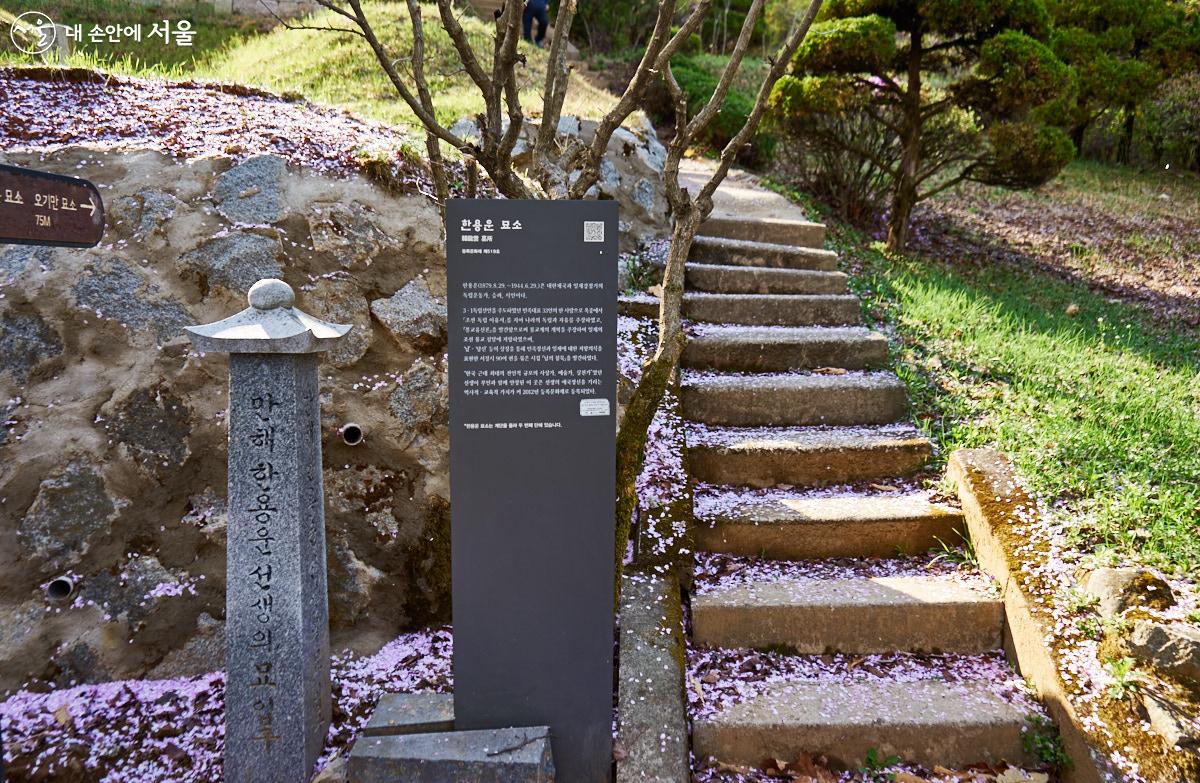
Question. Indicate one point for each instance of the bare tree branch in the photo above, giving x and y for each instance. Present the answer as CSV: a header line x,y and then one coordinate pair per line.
x,y
677,197
385,62
659,51
500,141
337,9
963,176
437,167
558,75
705,115
516,120
462,45
780,64
323,28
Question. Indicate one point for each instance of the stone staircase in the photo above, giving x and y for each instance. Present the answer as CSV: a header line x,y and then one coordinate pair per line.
x,y
799,442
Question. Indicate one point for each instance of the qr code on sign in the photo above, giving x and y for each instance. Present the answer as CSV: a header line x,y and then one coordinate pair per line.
x,y
593,231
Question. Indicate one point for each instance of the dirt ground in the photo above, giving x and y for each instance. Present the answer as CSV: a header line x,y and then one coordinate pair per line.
x,y
1132,235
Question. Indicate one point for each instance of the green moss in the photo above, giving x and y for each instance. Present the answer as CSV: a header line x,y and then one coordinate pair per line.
x,y
672,623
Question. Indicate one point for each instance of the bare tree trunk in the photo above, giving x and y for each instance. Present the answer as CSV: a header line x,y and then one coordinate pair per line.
x,y
433,146
1078,132
904,199
656,375
1125,144
557,77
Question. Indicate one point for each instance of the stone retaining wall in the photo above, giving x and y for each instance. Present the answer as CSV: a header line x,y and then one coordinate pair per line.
x,y
112,449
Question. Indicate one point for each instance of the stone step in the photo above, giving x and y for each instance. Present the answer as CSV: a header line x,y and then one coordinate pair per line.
x,y
775,309
927,722
775,230
780,348
732,279
863,615
804,456
789,526
741,252
755,309
785,399
639,305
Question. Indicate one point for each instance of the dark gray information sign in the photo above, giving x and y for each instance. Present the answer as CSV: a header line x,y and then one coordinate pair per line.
x,y
39,208
532,289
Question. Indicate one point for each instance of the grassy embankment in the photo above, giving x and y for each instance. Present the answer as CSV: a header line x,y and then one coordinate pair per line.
x,y
1096,399
327,67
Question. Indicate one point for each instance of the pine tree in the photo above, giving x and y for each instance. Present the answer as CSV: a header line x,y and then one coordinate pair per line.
x,y
951,83
1120,52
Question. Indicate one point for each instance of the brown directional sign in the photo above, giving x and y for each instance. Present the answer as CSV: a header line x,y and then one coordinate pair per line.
x,y
38,208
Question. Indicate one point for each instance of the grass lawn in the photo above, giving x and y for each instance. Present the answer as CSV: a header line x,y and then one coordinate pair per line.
x,y
327,67
1133,234
1096,399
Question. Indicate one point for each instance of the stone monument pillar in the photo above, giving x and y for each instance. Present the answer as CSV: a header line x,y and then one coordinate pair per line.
x,y
277,697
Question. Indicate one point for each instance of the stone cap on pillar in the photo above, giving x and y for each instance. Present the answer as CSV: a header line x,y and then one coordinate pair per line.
x,y
269,325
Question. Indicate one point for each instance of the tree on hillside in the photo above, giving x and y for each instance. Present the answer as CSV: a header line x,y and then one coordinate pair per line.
x,y
947,88
720,30
1120,52
613,25
567,168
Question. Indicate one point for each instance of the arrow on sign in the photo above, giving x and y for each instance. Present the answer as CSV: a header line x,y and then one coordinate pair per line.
x,y
39,208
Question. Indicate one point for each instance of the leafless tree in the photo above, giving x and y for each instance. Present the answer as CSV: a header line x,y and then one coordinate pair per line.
x,y
568,168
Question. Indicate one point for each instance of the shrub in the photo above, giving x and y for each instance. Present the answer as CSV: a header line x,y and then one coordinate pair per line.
x,y
953,86
1171,122
699,83
821,113
1119,52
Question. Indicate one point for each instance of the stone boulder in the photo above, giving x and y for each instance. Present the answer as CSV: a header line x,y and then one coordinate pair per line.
x,y
1171,648
113,291
252,191
235,261
1118,589
341,301
204,652
1172,721
414,316
69,515
421,400
26,340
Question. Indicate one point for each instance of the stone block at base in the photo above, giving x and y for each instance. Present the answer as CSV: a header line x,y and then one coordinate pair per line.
x,y
652,734
492,756
411,713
